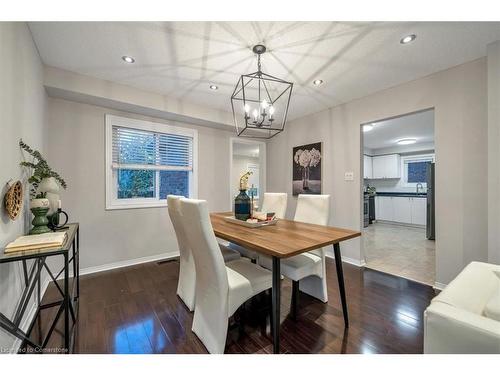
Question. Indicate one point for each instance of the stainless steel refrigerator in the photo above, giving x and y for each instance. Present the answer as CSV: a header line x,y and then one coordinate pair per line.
x,y
431,200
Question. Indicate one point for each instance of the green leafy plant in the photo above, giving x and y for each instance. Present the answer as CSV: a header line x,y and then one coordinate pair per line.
x,y
41,170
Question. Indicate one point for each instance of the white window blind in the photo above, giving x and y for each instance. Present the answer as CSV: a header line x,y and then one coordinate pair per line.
x,y
142,149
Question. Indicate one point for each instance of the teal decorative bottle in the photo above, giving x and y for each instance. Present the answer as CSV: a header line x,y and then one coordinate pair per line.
x,y
242,206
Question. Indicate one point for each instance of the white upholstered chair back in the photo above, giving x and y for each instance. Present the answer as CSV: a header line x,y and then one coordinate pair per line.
x,y
275,202
211,275
313,209
187,274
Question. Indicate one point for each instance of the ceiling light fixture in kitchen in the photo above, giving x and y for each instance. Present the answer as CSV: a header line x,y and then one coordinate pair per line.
x,y
408,39
406,141
128,59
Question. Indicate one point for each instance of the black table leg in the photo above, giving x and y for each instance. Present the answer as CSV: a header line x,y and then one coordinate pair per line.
x,y
275,313
66,302
295,298
340,277
77,263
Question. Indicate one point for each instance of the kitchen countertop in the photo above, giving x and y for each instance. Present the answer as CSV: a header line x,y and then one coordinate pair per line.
x,y
401,194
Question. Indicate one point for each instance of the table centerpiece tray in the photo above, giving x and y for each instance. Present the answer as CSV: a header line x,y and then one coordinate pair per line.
x,y
259,224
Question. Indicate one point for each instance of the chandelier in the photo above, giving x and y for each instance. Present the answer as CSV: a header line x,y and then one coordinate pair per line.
x,y
260,102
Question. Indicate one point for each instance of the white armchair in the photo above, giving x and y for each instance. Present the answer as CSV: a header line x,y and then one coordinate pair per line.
x,y
465,316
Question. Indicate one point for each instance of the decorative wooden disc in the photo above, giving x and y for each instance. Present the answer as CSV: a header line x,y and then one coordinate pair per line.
x,y
14,200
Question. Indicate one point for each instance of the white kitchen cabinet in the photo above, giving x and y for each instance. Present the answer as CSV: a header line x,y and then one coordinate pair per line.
x,y
419,210
402,209
386,166
384,208
367,166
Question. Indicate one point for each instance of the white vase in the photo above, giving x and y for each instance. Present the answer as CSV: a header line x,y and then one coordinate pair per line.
x,y
39,203
50,186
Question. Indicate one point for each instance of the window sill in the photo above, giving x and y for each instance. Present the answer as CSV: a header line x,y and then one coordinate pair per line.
x,y
134,205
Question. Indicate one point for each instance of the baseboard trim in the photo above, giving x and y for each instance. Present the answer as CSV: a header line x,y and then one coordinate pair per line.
x,y
439,286
354,262
128,263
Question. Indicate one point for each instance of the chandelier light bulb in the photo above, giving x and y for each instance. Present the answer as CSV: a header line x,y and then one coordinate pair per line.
x,y
247,109
271,111
264,104
255,114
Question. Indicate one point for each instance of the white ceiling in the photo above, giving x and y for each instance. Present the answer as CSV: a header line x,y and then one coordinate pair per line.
x,y
181,59
386,133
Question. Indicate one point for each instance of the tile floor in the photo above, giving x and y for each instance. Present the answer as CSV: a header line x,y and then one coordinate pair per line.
x,y
400,250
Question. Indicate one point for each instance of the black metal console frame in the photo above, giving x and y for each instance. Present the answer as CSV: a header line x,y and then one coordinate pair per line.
x,y
67,305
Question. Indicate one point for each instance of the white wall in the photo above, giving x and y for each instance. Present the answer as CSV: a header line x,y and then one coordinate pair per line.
x,y
23,115
494,152
77,141
458,96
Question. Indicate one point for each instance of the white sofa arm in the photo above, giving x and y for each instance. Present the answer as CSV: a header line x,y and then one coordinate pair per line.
x,y
448,329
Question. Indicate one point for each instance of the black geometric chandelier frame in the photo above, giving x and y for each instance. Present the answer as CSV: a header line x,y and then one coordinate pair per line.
x,y
260,102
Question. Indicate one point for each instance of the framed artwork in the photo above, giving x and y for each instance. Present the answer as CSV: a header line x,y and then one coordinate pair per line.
x,y
306,176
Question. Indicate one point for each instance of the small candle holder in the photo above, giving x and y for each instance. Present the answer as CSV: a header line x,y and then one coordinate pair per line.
x,y
54,220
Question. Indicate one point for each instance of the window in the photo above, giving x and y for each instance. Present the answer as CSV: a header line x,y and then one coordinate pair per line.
x,y
146,161
415,169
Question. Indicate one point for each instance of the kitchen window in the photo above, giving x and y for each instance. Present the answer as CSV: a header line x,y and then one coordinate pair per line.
x,y
415,169
147,161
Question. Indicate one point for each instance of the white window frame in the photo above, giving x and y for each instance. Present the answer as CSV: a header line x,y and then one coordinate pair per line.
x,y
413,158
112,201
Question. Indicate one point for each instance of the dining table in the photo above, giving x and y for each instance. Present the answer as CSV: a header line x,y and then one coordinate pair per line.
x,y
285,239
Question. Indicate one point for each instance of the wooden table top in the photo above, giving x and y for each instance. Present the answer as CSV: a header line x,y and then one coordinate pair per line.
x,y
285,239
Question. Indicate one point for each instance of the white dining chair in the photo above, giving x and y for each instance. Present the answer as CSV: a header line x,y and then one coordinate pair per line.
x,y
275,202
308,268
220,288
272,202
187,274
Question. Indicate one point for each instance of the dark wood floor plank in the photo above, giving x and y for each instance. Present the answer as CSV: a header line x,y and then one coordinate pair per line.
x,y
136,310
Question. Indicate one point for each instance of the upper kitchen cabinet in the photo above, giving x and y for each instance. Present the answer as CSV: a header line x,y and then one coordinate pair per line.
x,y
367,166
386,166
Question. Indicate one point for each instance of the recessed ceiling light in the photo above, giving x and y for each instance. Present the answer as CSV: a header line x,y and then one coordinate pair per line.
x,y
128,59
367,127
214,87
317,82
408,39
407,141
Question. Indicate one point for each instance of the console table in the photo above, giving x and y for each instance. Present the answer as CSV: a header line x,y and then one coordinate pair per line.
x,y
33,263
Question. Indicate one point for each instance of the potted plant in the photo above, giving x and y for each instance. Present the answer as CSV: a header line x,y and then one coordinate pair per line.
x,y
44,181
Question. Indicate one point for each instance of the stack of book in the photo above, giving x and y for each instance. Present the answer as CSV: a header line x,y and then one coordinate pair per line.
x,y
45,241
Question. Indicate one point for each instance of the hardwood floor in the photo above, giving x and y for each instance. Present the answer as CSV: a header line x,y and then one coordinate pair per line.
x,y
136,310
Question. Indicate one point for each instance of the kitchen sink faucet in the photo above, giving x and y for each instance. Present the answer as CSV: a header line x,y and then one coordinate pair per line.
x,y
419,187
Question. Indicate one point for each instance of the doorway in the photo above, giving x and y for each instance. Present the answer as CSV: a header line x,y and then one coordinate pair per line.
x,y
398,163
247,156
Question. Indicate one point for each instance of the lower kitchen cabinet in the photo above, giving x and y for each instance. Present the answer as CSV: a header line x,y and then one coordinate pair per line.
x,y
406,210
419,211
